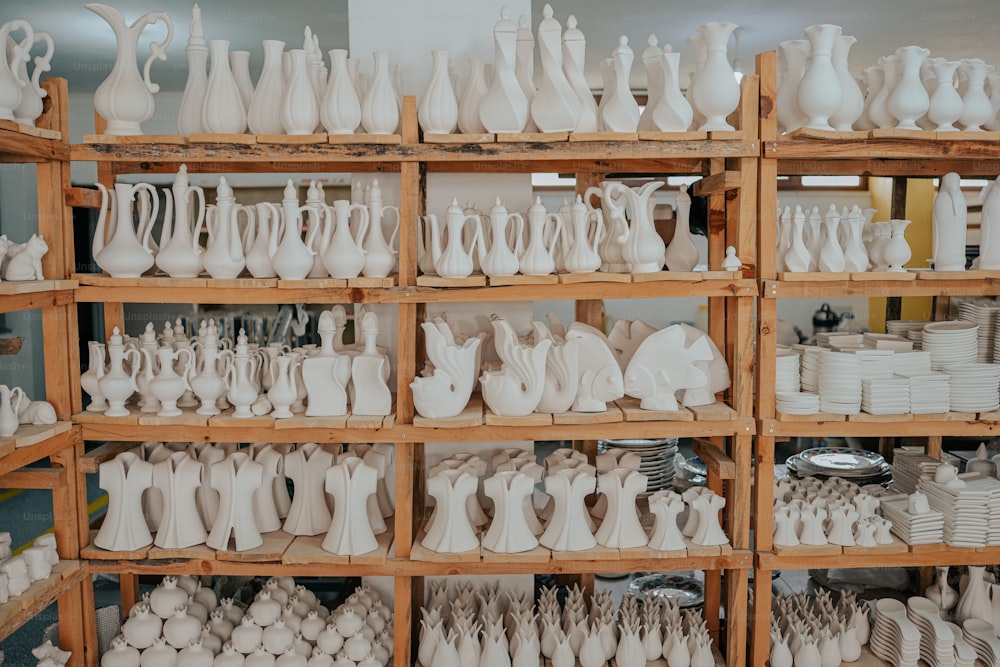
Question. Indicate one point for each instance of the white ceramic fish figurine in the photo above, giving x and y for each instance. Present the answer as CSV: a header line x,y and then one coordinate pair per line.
x,y
663,365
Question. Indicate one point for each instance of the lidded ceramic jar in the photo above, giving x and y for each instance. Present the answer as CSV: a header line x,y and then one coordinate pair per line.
x,y
278,637
160,654
330,640
120,654
142,628
181,628
247,635
265,610
166,597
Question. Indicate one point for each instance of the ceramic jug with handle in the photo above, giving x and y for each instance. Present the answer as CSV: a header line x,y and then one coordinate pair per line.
x,y
10,402
615,226
117,386
259,243
497,257
180,253
455,259
223,256
343,254
292,258
581,249
126,253
241,389
380,255
538,256
11,82
642,247
30,107
167,385
125,98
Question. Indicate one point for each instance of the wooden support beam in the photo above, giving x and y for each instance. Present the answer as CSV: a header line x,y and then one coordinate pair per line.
x,y
33,478
715,459
717,184
83,198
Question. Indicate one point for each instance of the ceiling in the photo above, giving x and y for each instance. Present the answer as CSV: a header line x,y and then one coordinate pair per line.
x,y
85,45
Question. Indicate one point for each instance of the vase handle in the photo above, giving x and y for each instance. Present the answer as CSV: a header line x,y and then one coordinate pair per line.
x,y
42,62
395,231
158,50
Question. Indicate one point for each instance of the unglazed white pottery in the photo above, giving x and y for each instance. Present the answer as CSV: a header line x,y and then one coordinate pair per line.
x,y
472,97
438,108
496,256
299,107
672,112
180,525
537,259
716,93
450,530
509,532
179,254
945,105
580,239
127,252
620,113
350,482
223,257
652,61
124,477
264,111
446,392
574,46
516,388
897,251
30,107
909,100
976,106
819,95
369,392
949,220
852,101
505,106
379,253
600,376
223,110
561,370
11,80
379,106
621,528
792,54
8,409
655,377
340,109
125,98
555,106
236,478
682,254
116,385
447,250
642,248
831,255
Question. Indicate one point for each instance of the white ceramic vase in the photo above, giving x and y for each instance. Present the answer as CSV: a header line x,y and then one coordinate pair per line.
x,y
574,47
620,113
505,106
222,110
716,93
949,221
852,102
340,109
379,106
472,97
264,112
909,100
793,54
438,109
299,108
819,94
555,106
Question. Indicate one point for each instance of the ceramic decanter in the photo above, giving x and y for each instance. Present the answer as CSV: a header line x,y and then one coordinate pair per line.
x,y
665,507
223,257
116,385
537,259
496,256
177,479
369,392
600,376
949,220
852,102
236,478
682,254
351,482
472,96
580,239
819,94
831,255
798,257
613,214
264,112
504,108
561,370
30,107
568,529
672,112
90,380
909,100
792,54
326,373
642,248
292,258
167,385
574,46
342,249
516,389
206,380
555,107
299,107
179,254
127,252
380,255
379,106
438,108
124,477
283,389
223,110
240,373
620,113
258,241
450,257
446,391
621,527
125,98
716,93
509,532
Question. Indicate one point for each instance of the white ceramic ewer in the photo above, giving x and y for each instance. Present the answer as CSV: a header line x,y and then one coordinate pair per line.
x,y
716,93
819,94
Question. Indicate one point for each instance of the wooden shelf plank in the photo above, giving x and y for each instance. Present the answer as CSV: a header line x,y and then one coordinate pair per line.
x,y
47,297
34,443
715,460
274,546
853,557
882,287
19,610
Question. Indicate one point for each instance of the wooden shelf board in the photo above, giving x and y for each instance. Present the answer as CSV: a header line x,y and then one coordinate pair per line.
x,y
883,287
499,281
418,552
366,282
897,547
300,421
810,133
596,277
476,280
274,546
134,140
595,553
854,557
611,415
290,139
633,413
813,277
94,552
532,137
30,300
534,419
313,283
537,555
968,426
485,138
659,276
880,419
19,610
12,287
653,135
471,415
306,549
712,412
28,435
381,553
944,148
41,132
603,136
361,138
106,451
227,139
194,552
189,417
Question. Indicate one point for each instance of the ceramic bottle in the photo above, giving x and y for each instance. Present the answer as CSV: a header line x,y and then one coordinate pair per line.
x,y
180,253
283,390
257,240
819,93
127,252
223,111
326,374
505,106
438,108
716,93
555,106
223,257
831,255
167,386
538,256
682,254
909,100
620,112
379,107
852,102
239,63
652,62
240,373
299,108
292,257
794,53
264,112
340,110
496,256
117,386
472,97
450,257
574,47
855,253
236,478
672,112
949,220
125,98
343,254
30,107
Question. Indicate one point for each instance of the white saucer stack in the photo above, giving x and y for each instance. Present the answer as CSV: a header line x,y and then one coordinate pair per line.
x,y
911,362
903,327
974,387
809,366
971,512
840,383
875,363
894,637
930,392
927,528
786,378
797,403
985,316
950,343
885,396
917,336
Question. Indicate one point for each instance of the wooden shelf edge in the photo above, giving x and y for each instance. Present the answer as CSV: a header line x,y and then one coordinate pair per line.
x,y
19,610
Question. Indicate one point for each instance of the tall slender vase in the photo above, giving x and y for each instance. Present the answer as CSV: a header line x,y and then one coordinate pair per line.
x,y
697,42
340,110
505,106
379,109
299,110
438,110
673,112
574,49
239,62
652,61
716,93
819,95
946,105
223,111
976,106
472,97
189,116
555,106
878,110
264,113
874,77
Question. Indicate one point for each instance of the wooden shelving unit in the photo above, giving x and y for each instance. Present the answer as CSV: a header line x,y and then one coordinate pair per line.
x,y
728,163
879,153
46,147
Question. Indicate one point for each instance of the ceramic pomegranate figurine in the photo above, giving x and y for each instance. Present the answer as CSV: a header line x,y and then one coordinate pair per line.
x,y
142,629
120,654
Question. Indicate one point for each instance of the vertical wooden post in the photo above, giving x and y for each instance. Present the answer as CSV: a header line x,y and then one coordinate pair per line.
x,y
736,583
406,620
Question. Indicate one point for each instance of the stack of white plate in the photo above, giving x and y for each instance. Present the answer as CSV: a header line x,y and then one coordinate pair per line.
x,y
858,466
875,363
877,341
917,336
911,362
925,528
809,367
902,327
657,456
839,339
840,383
786,378
930,392
937,642
908,467
796,403
966,510
885,396
974,387
894,637
950,343
981,636
985,316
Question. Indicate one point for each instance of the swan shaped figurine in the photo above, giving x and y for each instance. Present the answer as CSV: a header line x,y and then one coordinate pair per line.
x,y
516,389
446,392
